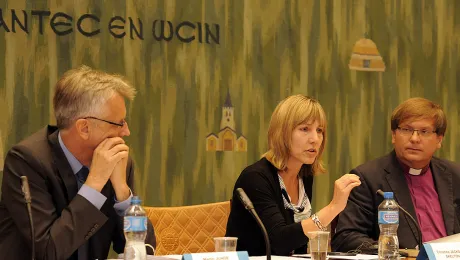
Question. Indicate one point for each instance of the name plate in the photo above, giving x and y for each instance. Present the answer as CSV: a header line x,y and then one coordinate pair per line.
x,y
239,255
448,250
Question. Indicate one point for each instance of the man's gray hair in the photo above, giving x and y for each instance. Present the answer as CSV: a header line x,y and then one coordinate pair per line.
x,y
82,91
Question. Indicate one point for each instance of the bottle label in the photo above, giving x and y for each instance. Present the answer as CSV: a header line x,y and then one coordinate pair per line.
x,y
134,224
388,217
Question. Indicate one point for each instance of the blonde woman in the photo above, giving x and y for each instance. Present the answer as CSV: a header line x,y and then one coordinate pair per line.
x,y
280,184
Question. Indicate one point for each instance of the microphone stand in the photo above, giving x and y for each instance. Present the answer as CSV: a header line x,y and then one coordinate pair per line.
x,y
248,205
264,231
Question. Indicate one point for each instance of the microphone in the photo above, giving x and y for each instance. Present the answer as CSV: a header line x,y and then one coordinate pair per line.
x,y
248,205
28,199
419,232
245,199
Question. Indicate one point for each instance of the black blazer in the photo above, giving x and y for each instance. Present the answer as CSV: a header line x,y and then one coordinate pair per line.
x,y
358,222
261,184
63,220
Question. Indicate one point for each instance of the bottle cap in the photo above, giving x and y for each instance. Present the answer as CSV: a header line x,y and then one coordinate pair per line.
x,y
388,195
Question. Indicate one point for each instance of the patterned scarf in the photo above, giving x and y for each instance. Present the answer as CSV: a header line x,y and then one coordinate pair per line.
x,y
300,212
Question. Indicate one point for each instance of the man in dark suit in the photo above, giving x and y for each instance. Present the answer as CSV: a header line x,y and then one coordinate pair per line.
x,y
80,174
426,186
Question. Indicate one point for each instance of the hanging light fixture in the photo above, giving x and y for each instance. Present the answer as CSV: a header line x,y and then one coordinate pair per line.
x,y
366,57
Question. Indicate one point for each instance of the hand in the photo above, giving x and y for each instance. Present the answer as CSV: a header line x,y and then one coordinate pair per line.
x,y
118,179
105,157
342,189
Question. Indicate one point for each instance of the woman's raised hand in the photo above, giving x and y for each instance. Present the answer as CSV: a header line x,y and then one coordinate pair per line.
x,y
342,189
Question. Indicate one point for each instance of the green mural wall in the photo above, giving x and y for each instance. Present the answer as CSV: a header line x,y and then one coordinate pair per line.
x,y
258,51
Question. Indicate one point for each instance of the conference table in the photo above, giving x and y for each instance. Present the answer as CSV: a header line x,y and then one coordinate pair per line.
x,y
273,257
412,255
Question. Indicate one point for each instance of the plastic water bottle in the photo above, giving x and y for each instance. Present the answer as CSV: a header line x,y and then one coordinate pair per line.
x,y
388,223
135,229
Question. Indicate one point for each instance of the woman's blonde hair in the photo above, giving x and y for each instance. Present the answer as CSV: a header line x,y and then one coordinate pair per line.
x,y
290,113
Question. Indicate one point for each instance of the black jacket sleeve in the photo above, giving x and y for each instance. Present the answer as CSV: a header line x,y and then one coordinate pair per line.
x,y
57,235
356,223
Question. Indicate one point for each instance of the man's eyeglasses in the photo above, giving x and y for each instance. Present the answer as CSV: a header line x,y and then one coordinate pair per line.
x,y
110,122
409,132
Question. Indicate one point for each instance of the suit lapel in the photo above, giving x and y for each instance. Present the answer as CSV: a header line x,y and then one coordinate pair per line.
x,y
60,161
443,182
397,182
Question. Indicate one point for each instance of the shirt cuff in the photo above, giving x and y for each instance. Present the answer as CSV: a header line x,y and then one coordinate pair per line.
x,y
121,207
92,195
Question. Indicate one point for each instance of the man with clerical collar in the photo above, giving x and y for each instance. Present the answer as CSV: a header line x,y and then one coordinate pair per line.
x,y
424,185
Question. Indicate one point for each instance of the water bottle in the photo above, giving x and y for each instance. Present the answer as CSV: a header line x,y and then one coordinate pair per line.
x,y
388,223
135,229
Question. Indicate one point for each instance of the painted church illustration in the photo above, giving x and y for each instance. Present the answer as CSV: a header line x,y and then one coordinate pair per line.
x,y
226,139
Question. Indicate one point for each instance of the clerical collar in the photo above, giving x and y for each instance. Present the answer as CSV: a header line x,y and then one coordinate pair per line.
x,y
412,171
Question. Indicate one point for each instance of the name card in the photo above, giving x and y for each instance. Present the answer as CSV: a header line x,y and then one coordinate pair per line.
x,y
448,250
239,255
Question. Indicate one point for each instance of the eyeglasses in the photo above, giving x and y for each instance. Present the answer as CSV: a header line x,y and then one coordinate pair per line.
x,y
409,132
110,122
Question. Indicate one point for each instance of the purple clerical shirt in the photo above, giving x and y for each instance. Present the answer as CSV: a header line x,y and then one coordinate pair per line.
x,y
426,203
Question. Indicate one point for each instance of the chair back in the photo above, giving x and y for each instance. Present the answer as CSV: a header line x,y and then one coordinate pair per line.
x,y
188,229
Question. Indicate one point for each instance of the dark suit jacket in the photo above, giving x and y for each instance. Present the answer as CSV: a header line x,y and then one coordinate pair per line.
x,y
260,182
358,222
63,220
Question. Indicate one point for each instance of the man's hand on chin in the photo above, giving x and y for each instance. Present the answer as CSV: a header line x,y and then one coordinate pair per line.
x,y
118,179
106,158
